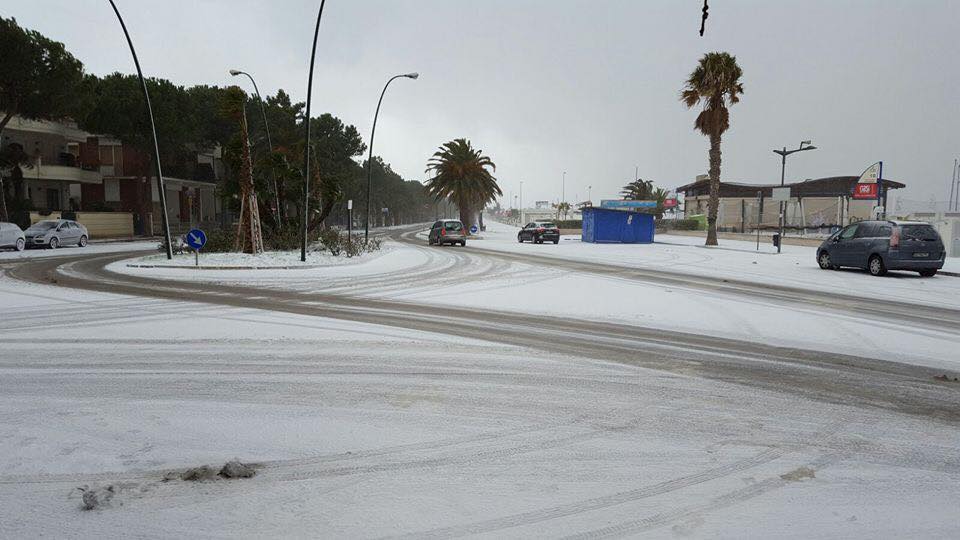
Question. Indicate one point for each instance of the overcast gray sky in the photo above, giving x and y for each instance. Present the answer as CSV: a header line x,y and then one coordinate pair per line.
x,y
586,87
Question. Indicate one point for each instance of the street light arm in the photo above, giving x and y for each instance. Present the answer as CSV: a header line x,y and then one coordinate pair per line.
x,y
306,149
153,131
263,112
373,131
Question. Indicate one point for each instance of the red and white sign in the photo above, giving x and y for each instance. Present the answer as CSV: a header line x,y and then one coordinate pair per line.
x,y
670,203
865,191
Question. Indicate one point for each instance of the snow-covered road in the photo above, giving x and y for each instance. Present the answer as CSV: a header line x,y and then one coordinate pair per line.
x,y
417,273
368,431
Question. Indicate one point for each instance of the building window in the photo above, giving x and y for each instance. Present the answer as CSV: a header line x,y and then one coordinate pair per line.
x,y
111,190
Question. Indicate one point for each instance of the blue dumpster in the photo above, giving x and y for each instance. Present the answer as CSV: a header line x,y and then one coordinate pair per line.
x,y
604,225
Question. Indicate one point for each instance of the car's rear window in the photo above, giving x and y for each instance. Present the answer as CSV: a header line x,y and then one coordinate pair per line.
x,y
548,225
453,226
919,232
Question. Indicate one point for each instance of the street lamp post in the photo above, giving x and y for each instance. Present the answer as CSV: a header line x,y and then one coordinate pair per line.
x,y
373,130
153,130
589,200
266,127
521,203
306,149
563,188
804,145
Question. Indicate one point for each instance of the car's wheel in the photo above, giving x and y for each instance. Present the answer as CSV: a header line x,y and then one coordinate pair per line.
x,y
54,243
875,266
928,273
519,239
463,243
21,244
83,241
824,261
557,241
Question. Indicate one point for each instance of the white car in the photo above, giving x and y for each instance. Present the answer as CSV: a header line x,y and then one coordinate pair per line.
x,y
54,233
11,236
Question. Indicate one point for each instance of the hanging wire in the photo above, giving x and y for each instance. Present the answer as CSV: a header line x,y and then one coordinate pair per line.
x,y
703,20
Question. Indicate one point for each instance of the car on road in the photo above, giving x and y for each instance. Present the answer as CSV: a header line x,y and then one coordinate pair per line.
x,y
11,236
54,233
539,232
447,231
878,246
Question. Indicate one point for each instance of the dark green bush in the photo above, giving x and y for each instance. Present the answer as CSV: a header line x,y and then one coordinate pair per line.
x,y
569,224
285,239
220,240
332,241
678,225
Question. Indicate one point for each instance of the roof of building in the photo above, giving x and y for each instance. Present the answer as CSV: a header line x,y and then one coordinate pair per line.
x,y
833,186
620,210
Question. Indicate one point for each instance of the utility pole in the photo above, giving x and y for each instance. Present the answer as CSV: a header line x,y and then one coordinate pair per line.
x,y
563,187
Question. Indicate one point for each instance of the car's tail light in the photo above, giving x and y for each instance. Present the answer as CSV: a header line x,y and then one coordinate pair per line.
x,y
895,238
540,229
443,232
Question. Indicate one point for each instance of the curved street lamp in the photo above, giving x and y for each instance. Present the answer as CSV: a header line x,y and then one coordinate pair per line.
x,y
153,130
366,221
306,149
266,127
263,112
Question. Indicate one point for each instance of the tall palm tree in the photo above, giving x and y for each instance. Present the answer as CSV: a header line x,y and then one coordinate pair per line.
x,y
638,190
660,195
460,173
249,234
715,83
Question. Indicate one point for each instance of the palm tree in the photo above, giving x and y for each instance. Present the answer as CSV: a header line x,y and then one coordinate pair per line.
x,y
249,234
562,208
660,195
716,83
461,174
638,190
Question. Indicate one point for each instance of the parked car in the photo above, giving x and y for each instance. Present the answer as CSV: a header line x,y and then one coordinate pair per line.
x,y
447,231
879,246
539,231
54,233
11,236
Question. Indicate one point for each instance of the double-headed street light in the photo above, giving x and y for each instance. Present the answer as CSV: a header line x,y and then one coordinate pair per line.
x,y
804,145
366,221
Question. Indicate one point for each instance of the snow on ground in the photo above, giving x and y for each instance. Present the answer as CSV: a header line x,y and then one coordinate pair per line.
x,y
365,431
92,248
264,261
796,266
455,276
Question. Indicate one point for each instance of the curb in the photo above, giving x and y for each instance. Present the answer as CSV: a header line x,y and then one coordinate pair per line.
x,y
185,267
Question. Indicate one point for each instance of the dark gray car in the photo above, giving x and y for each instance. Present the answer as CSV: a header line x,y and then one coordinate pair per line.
x,y
879,246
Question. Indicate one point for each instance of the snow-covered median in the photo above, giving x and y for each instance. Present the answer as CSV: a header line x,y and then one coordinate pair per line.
x,y
270,260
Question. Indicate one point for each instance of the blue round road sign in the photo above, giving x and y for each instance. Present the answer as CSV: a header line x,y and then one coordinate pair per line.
x,y
473,229
196,239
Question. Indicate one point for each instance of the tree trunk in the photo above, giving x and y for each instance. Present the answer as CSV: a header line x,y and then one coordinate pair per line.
x,y
714,202
466,216
249,235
